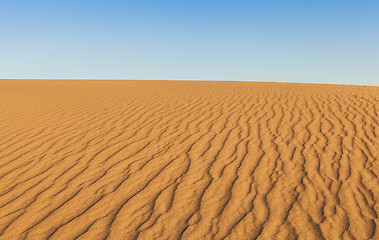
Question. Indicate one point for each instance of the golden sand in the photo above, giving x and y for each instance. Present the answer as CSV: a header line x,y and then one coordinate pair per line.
x,y
188,160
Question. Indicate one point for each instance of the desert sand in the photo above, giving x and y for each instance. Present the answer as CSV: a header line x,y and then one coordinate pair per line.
x,y
188,160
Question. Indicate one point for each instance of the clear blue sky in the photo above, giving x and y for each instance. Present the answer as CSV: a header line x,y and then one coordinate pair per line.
x,y
325,41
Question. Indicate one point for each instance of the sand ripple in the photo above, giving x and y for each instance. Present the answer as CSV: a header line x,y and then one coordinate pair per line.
x,y
190,160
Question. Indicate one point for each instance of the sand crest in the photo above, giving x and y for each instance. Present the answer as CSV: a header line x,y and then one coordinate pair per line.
x,y
188,160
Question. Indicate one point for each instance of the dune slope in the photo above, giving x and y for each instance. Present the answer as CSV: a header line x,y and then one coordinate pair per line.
x,y
189,160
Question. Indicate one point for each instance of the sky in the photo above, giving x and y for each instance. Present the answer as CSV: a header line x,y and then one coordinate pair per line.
x,y
319,41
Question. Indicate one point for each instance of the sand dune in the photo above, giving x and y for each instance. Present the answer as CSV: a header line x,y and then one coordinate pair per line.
x,y
188,160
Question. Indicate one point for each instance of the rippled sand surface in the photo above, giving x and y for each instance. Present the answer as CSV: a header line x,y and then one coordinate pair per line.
x,y
188,160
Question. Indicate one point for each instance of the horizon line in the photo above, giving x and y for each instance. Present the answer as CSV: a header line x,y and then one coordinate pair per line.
x,y
184,79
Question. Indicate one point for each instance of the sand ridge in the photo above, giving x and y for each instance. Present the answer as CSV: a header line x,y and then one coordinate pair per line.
x,y
188,160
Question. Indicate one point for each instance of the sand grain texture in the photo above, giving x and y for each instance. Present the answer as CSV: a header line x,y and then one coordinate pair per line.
x,y
188,160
